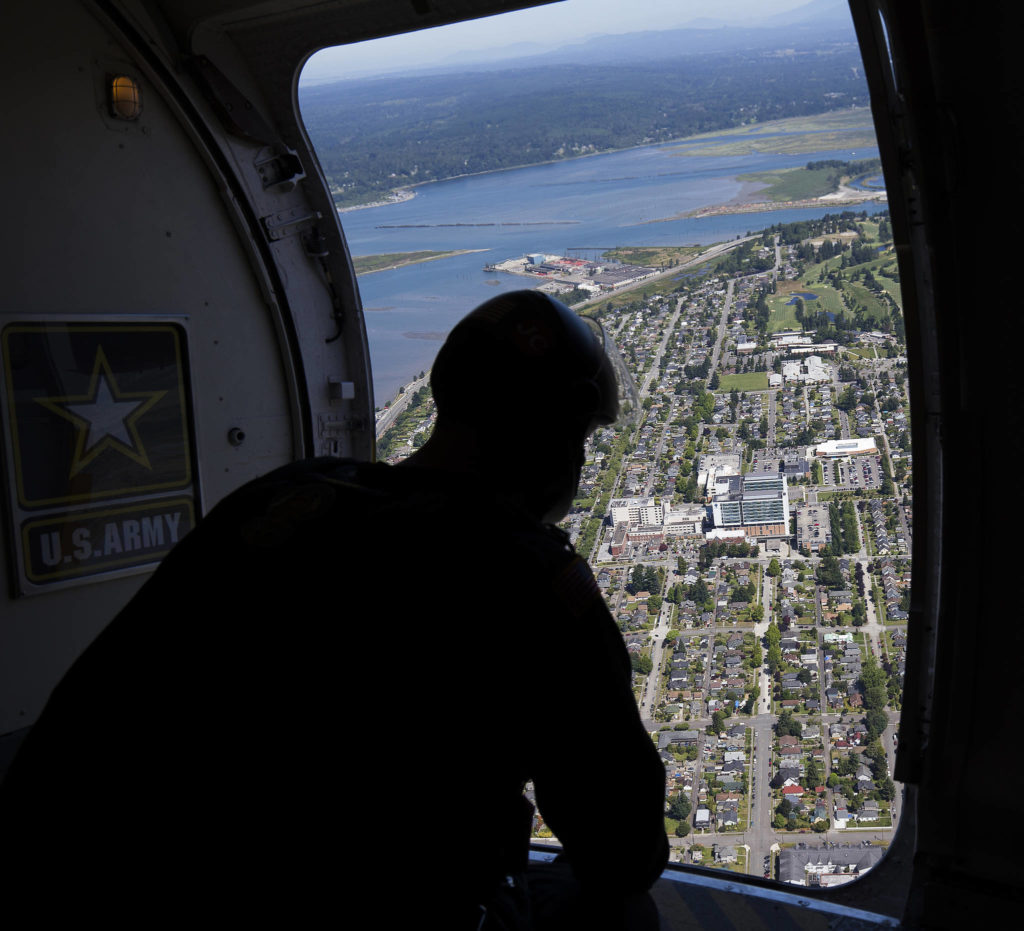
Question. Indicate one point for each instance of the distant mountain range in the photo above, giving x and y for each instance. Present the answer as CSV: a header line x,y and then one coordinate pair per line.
x,y
381,133
815,23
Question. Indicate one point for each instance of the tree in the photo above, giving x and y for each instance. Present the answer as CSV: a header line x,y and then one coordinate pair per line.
x,y
718,721
847,766
640,663
872,674
644,578
654,604
699,592
774,569
875,697
813,774
679,807
876,754
829,574
876,722
787,725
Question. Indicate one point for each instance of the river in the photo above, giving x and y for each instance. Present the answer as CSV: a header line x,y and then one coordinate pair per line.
x,y
606,200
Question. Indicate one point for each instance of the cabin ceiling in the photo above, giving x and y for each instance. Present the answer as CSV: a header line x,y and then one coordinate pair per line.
x,y
325,23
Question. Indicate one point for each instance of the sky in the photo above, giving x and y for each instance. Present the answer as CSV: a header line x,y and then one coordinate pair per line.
x,y
550,26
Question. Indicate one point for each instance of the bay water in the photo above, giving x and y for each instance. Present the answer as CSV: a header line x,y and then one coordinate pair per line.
x,y
597,202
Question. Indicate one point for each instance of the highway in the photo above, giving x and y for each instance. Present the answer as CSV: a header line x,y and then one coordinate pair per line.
x,y
391,414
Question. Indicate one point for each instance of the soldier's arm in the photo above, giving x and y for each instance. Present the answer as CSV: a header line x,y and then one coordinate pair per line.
x,y
599,782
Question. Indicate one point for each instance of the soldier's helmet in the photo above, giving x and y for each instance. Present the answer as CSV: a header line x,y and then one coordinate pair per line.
x,y
525,358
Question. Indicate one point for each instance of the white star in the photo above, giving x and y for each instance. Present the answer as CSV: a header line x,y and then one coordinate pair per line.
x,y
106,416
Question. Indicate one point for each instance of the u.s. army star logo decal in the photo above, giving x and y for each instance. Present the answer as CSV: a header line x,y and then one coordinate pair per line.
x,y
105,417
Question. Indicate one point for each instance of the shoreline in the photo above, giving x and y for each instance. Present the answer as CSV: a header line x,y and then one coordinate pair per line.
x,y
429,258
733,207
407,192
401,195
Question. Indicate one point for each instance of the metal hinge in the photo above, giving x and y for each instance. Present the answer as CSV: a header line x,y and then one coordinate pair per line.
x,y
284,223
279,168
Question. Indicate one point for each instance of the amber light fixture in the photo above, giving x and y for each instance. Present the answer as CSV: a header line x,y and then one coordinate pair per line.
x,y
125,97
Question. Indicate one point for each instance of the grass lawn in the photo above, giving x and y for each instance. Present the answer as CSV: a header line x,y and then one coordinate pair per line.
x,y
880,612
875,310
801,142
653,255
783,314
748,381
891,287
857,118
792,183
864,352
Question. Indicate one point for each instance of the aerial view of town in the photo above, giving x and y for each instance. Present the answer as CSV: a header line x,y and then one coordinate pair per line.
x,y
750,530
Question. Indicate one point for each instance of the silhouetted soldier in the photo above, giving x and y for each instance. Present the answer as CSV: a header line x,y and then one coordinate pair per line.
x,y
332,693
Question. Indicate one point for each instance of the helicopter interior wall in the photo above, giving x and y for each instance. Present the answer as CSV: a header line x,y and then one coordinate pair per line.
x,y
108,219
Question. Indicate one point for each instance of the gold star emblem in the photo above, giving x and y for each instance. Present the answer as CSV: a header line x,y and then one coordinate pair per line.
x,y
104,417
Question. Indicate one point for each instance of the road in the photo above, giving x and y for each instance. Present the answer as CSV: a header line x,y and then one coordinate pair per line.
x,y
389,416
726,307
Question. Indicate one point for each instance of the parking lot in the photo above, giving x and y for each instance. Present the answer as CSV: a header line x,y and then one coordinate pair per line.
x,y
864,472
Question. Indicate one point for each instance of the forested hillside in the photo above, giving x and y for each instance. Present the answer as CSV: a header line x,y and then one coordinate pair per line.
x,y
378,134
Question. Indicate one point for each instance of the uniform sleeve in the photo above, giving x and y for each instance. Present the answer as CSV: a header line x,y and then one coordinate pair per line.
x,y
599,781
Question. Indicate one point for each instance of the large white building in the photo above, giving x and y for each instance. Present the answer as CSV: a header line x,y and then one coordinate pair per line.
x,y
636,511
791,339
714,465
757,502
643,520
686,520
836,449
810,370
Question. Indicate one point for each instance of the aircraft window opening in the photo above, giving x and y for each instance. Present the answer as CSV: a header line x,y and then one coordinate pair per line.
x,y
751,533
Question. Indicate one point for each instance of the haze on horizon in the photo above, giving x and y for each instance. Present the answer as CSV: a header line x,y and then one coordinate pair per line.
x,y
536,31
